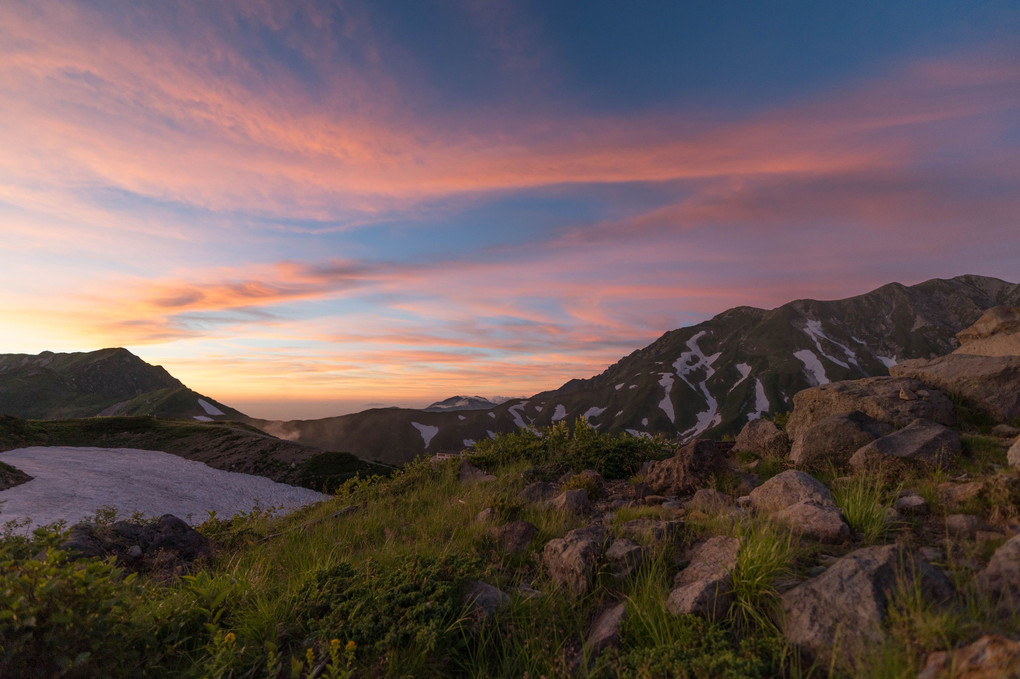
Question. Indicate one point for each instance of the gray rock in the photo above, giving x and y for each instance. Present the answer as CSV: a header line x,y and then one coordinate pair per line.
x,y
823,523
590,480
1013,454
134,552
484,599
514,537
571,501
539,492
990,657
762,437
486,515
954,494
709,501
625,556
921,442
1000,580
137,545
878,397
962,525
704,587
835,438
689,469
911,504
839,614
789,488
605,632
571,560
471,474
651,529
990,382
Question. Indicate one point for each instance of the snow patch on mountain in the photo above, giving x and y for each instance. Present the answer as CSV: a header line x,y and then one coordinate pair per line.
x,y
644,422
761,401
815,370
744,371
633,386
619,386
203,418
461,418
468,443
517,412
491,433
209,408
666,404
813,329
559,413
689,362
594,411
492,415
887,361
427,432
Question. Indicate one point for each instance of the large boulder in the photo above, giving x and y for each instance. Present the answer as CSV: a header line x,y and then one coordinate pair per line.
x,y
571,560
1013,454
834,439
540,491
815,521
921,442
514,537
625,556
690,468
789,488
762,437
990,382
705,586
996,333
839,614
1000,580
571,501
166,544
895,400
483,599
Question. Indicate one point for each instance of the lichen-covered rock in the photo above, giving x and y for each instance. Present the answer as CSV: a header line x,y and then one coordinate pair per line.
x,y
762,437
571,560
789,488
839,614
704,587
834,439
990,657
1000,580
877,397
814,521
688,470
921,442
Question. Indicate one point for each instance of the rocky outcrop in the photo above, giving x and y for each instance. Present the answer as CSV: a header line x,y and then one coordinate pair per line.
x,y
995,333
921,442
689,469
709,501
571,501
704,587
167,544
1000,580
571,560
834,439
840,613
990,657
625,557
514,537
877,397
483,599
789,488
762,437
815,521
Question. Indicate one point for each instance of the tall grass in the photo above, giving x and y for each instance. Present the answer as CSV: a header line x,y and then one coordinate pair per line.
x,y
864,499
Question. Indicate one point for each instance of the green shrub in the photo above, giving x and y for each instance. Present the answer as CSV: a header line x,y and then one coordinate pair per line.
x,y
403,613
564,448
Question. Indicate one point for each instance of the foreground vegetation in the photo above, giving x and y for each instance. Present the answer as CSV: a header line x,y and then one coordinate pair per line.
x,y
369,584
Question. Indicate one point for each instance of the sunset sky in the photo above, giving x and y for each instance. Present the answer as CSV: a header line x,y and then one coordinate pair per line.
x,y
303,208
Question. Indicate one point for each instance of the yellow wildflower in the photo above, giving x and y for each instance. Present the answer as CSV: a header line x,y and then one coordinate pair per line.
x,y
334,645
350,646
229,638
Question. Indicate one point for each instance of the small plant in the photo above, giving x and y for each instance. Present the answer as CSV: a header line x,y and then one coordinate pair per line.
x,y
864,501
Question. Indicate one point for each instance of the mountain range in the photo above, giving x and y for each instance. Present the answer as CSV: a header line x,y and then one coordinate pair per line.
x,y
705,380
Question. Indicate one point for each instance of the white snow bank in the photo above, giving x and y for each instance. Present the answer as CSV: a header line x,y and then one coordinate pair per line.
x,y
461,418
427,432
666,404
744,370
209,408
887,361
814,330
815,369
593,412
468,443
203,418
559,413
71,484
761,401
689,362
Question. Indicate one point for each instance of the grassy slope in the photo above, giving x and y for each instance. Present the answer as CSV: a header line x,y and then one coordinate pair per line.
x,y
353,569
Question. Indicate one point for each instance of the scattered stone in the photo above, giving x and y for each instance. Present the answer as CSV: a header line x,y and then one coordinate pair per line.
x,y
571,559
653,500
931,554
486,515
1000,580
839,614
689,469
907,395
704,586
878,397
605,633
539,491
709,501
955,494
990,657
471,474
962,525
651,529
815,521
834,439
923,442
911,504
743,501
484,599
1006,431
624,557
165,544
789,488
1013,454
571,501
762,437
514,537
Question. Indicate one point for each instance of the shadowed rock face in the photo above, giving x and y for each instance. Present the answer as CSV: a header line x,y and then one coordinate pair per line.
x,y
834,439
921,442
165,544
687,470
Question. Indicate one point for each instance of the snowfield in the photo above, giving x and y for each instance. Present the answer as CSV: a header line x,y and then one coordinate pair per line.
x,y
427,431
815,369
73,483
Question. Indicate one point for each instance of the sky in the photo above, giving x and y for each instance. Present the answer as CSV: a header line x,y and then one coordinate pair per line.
x,y
307,208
